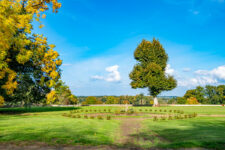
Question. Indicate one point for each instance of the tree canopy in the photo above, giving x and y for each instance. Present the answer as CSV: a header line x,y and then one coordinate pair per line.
x,y
149,72
24,53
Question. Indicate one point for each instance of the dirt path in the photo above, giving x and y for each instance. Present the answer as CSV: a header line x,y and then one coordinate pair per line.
x,y
129,127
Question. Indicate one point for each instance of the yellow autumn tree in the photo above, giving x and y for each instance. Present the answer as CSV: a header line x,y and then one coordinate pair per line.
x,y
192,100
18,46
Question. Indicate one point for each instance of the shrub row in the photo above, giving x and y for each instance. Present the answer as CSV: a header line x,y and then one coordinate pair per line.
x,y
186,116
87,117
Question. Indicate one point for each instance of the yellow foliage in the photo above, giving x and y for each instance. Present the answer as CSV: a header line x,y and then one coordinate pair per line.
x,y
1,100
192,100
51,97
17,15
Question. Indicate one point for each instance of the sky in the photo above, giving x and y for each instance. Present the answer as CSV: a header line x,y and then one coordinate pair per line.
x,y
96,40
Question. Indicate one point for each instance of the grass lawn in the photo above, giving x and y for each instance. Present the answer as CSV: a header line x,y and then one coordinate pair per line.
x,y
49,126
54,128
207,132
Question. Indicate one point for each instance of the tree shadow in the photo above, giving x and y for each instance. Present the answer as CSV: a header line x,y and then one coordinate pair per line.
x,y
199,134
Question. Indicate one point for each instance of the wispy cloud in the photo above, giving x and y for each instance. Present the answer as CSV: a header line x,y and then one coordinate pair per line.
x,y
113,76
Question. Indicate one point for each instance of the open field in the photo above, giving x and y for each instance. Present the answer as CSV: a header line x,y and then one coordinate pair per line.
x,y
52,129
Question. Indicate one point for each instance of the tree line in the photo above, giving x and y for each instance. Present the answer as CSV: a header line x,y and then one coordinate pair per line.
x,y
202,95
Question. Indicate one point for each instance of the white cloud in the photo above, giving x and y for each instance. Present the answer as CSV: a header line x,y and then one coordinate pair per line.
x,y
217,73
96,77
113,76
186,69
204,77
169,70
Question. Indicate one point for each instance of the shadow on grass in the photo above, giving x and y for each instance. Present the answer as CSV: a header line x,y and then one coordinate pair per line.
x,y
202,134
19,110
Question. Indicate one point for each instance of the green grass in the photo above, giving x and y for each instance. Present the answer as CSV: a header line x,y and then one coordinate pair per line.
x,y
57,129
207,132
48,125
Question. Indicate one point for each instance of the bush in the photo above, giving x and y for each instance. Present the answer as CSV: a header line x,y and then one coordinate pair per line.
x,y
163,118
194,114
155,110
174,111
90,110
104,110
117,112
85,116
160,110
100,117
170,110
170,118
92,117
140,110
130,111
86,110
95,110
78,116
146,109
109,110
122,111
108,117
155,118
74,116
150,109
165,110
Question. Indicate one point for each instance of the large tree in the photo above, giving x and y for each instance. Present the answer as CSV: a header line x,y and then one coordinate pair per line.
x,y
23,53
149,72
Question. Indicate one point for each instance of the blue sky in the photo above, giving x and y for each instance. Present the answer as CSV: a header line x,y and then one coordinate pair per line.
x,y
96,40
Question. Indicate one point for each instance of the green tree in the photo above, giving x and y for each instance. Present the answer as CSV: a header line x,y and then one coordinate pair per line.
x,y
112,100
198,93
91,100
149,72
64,95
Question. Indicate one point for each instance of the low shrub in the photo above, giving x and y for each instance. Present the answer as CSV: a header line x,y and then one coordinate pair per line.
x,y
185,116
155,118
104,110
194,114
165,110
109,110
95,110
155,110
74,116
170,118
146,109
85,117
64,114
170,110
78,116
122,111
190,116
117,112
150,109
86,110
90,110
160,110
92,117
140,110
100,117
163,118
130,111
174,111
108,117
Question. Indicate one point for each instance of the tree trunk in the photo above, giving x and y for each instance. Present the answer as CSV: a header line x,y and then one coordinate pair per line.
x,y
155,102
